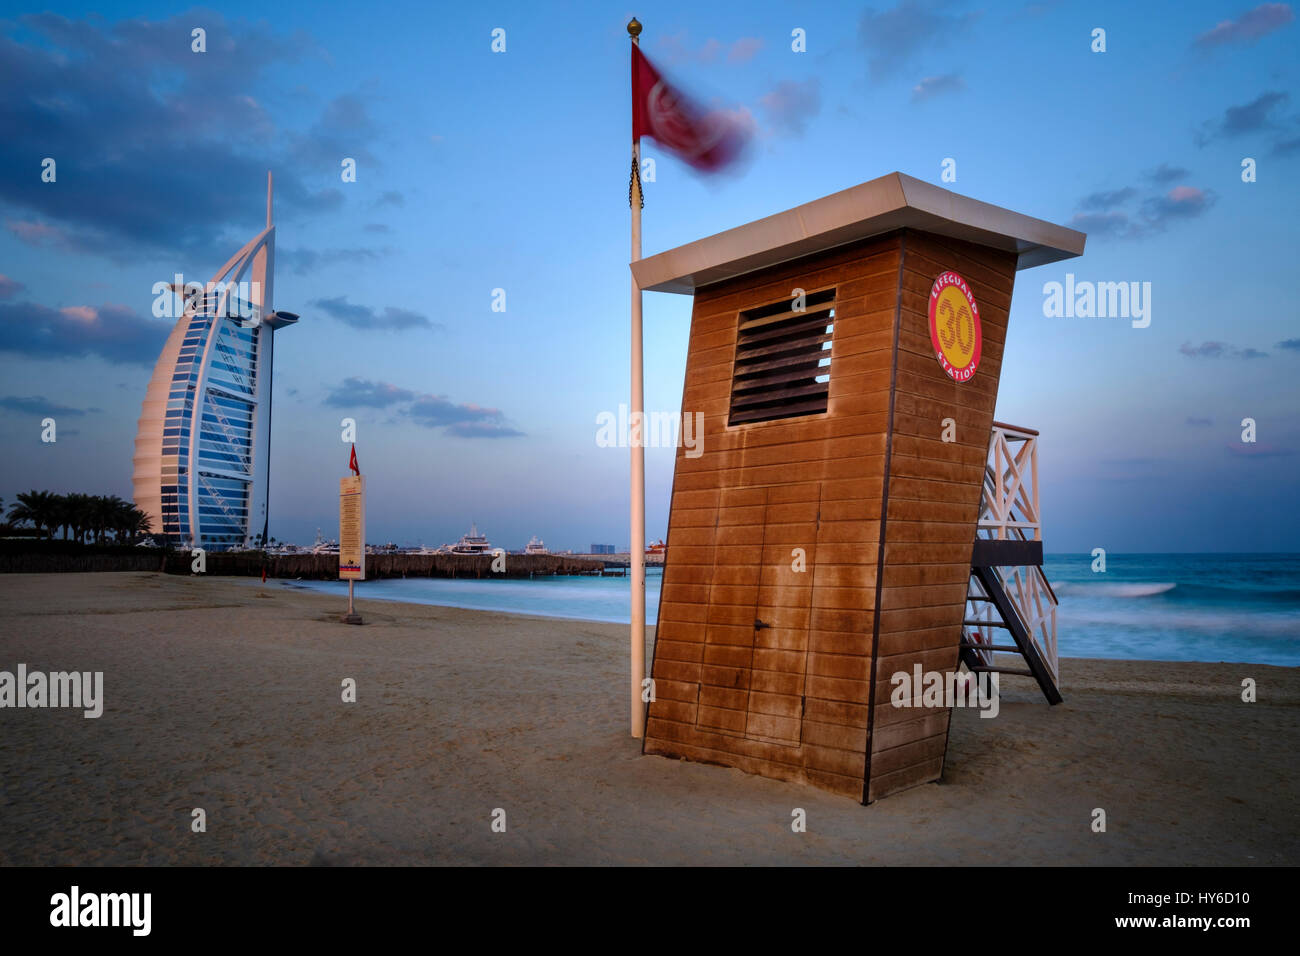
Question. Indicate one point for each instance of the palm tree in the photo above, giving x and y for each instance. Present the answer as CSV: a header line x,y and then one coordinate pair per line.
x,y
77,515
81,515
103,514
60,515
129,521
37,508
23,512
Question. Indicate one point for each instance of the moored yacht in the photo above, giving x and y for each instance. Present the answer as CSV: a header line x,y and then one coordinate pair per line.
x,y
323,546
472,543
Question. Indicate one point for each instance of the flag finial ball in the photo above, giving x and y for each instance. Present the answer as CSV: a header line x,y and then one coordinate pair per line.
x,y
634,27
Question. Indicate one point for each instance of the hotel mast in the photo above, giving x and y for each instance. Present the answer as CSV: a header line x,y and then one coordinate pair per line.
x,y
202,449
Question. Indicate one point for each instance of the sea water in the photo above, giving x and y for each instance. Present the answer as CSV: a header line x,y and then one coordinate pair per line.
x,y
1167,607
1179,607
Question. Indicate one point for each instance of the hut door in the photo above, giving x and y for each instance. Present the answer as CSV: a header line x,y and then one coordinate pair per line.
x,y
784,608
733,606
756,634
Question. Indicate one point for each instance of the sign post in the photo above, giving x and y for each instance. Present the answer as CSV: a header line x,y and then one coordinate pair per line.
x,y
352,537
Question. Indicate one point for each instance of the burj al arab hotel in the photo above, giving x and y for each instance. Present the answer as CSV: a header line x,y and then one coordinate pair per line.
x,y
203,447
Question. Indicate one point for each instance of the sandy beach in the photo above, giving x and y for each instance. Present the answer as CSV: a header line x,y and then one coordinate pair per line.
x,y
225,694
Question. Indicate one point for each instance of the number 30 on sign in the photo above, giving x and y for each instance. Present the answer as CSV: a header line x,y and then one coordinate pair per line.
x,y
955,326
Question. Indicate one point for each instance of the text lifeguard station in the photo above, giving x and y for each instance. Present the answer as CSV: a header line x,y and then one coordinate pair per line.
x,y
845,355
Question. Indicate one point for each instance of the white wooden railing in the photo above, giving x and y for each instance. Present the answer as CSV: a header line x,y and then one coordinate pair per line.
x,y
1010,507
1010,513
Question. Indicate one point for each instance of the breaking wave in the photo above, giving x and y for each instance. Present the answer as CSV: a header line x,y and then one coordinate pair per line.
x,y
1134,590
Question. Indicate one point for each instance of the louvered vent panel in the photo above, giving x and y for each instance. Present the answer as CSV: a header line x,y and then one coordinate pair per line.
x,y
783,360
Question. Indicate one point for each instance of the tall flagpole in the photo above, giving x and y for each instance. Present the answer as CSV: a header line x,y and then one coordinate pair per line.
x,y
636,441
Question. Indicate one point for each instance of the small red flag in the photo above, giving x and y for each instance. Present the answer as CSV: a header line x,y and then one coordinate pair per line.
x,y
707,141
352,462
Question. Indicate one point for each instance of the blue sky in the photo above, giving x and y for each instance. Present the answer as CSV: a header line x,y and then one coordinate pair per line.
x,y
481,170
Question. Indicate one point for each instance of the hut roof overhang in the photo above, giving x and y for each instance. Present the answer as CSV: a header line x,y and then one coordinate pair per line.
x,y
883,205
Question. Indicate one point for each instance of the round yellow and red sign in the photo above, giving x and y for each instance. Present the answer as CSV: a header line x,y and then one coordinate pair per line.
x,y
955,326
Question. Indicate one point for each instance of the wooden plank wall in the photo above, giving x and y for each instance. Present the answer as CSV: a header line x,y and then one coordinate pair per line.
x,y
932,511
794,700
726,693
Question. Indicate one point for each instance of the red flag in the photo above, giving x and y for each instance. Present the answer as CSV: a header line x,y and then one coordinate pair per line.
x,y
707,141
352,462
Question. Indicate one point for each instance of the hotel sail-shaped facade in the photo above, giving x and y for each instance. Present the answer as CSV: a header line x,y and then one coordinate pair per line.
x,y
202,449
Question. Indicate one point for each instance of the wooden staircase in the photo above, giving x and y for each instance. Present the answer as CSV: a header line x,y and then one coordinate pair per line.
x,y
1008,591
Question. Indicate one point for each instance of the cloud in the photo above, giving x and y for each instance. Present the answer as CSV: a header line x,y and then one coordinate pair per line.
x,y
1139,461
791,105
1181,202
676,48
111,332
1219,350
1199,422
37,405
364,317
1252,449
1285,147
390,197
483,430
744,49
363,393
170,130
464,420
1241,120
933,86
375,227
36,233
1164,174
1155,213
1103,224
1039,8
9,287
892,36
1252,25
395,318
304,261
1290,344
342,131
344,311
436,410
1107,199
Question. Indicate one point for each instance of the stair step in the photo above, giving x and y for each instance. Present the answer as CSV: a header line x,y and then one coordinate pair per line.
x,y
1007,648
1022,671
1010,613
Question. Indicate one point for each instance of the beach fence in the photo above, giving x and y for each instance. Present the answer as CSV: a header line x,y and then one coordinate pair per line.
x,y
69,556
853,500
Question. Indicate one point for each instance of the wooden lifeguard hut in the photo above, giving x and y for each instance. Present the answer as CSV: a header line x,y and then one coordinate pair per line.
x,y
847,515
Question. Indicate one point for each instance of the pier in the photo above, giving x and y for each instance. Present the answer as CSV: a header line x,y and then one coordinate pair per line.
x,y
620,559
